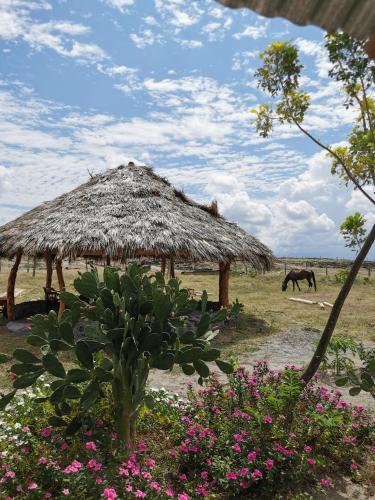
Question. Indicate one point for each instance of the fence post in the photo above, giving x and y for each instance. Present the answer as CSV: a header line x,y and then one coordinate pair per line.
x,y
326,271
34,267
285,268
28,263
369,271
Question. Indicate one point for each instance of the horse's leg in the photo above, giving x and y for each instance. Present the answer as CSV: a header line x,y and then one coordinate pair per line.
x,y
293,285
298,285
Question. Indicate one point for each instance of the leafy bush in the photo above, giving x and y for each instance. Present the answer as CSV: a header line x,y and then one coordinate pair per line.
x,y
335,357
255,436
342,275
136,322
362,378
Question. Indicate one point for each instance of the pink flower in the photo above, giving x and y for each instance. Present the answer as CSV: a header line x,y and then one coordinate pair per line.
x,y
46,432
252,456
236,447
93,464
90,445
32,486
354,467
204,474
244,472
307,448
150,463
238,438
244,483
269,464
325,483
155,486
319,408
182,477
267,419
172,453
169,492
231,475
139,494
48,495
257,474
64,446
10,474
310,461
65,492
360,408
183,496
110,493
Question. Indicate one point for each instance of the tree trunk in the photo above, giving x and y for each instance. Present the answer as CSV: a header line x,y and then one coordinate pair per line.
x,y
172,273
60,278
108,260
224,284
336,309
11,286
49,271
162,266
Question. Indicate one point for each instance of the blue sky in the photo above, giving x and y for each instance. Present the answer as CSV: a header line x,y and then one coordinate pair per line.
x,y
87,85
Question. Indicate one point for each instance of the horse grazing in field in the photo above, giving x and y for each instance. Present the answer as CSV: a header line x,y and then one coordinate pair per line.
x,y
294,275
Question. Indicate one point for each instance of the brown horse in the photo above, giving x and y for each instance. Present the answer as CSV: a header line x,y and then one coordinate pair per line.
x,y
294,275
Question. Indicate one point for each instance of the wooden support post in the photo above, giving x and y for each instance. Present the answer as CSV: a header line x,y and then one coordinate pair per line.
x,y
224,284
326,270
108,260
369,271
0,265
61,281
49,270
11,285
28,264
34,267
162,265
172,273
285,268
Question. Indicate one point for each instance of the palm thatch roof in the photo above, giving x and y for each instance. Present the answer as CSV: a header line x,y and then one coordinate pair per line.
x,y
130,211
356,17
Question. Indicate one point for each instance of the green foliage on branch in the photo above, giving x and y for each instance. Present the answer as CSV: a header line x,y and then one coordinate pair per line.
x,y
134,323
353,231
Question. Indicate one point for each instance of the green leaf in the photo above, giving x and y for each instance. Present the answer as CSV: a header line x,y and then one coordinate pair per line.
x,y
224,366
21,369
90,395
66,332
219,316
74,426
27,379
102,375
57,383
189,355
371,367
5,400
188,337
149,401
77,375
201,368
4,358
188,369
53,366
211,355
84,355
203,324
164,361
87,285
56,421
354,391
60,345
71,392
25,356
151,342
69,298
36,341
106,364
57,395
342,381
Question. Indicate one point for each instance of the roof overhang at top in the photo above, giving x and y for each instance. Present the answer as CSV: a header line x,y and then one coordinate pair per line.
x,y
355,17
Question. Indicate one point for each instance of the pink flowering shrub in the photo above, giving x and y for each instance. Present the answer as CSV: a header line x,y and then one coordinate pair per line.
x,y
255,436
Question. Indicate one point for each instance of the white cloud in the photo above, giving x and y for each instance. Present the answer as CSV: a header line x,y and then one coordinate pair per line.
x,y
120,4
16,23
190,44
144,38
254,32
179,13
216,31
4,180
150,20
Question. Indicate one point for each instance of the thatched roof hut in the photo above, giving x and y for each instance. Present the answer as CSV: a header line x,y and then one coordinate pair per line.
x,y
125,212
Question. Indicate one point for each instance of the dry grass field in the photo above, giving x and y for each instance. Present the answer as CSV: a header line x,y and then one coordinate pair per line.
x,y
267,310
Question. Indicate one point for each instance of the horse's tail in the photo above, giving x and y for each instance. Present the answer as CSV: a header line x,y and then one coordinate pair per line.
x,y
313,277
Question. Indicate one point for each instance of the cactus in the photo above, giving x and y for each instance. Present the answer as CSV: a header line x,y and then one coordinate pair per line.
x,y
139,325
